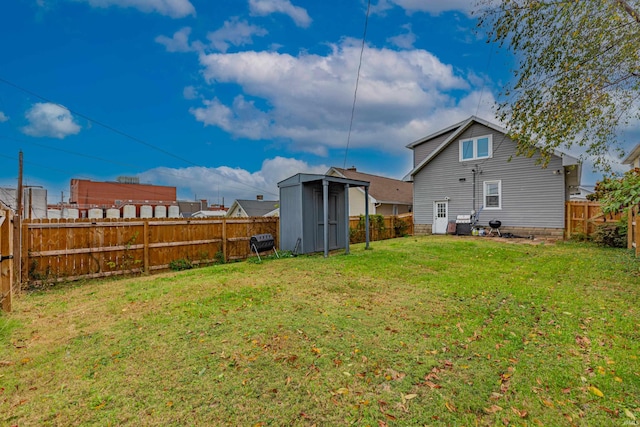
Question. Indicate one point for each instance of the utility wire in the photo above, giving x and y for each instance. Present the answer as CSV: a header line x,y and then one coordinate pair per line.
x,y
126,135
355,92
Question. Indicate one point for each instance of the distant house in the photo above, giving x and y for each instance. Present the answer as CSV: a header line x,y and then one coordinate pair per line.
x,y
633,159
387,196
188,208
209,214
252,208
472,168
582,192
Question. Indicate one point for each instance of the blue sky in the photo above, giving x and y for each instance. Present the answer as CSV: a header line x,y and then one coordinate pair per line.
x,y
223,99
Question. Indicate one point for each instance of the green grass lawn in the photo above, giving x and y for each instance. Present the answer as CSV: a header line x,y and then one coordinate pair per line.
x,y
416,331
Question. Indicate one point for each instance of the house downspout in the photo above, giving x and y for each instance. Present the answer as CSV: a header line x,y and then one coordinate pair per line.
x,y
473,197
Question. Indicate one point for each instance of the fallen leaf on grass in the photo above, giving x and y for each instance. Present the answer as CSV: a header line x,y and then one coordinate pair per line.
x,y
492,409
583,342
5,363
596,391
629,414
566,390
450,407
548,403
610,411
342,390
410,396
432,385
518,412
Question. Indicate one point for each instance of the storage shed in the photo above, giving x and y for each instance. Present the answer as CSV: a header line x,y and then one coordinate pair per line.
x,y
314,213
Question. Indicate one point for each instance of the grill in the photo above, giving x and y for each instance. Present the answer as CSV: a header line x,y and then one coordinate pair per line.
x,y
463,225
495,226
262,243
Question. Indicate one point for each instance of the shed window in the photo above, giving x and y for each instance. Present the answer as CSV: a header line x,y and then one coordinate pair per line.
x,y
476,148
493,195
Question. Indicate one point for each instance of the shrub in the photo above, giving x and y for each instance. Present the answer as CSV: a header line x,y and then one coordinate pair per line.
x,y
180,264
611,235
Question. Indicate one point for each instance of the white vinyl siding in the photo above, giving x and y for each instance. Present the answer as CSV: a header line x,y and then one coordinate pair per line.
x,y
476,148
492,195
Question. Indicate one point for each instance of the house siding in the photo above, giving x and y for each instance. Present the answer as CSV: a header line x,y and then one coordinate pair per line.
x,y
422,151
531,196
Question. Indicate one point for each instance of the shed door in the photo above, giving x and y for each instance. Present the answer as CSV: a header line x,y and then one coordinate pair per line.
x,y
333,220
440,217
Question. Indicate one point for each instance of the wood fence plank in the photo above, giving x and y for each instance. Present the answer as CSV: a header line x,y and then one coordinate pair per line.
x,y
145,257
6,264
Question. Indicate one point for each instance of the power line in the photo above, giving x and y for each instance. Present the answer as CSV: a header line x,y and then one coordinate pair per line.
x,y
127,135
355,92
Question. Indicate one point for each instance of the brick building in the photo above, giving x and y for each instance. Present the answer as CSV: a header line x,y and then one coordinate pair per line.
x,y
126,191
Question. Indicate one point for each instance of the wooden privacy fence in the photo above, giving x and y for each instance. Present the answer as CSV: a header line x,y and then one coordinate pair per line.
x,y
633,232
380,227
6,255
46,251
585,217
54,250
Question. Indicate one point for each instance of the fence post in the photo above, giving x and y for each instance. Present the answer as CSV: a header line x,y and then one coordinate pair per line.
x,y
630,228
224,239
145,248
637,228
6,265
569,222
17,259
23,250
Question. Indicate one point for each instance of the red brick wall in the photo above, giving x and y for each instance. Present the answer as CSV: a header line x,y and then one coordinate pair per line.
x,y
85,192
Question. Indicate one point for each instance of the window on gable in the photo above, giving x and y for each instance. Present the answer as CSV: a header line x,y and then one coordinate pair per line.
x,y
476,148
492,195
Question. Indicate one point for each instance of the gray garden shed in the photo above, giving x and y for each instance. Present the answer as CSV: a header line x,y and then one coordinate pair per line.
x,y
314,213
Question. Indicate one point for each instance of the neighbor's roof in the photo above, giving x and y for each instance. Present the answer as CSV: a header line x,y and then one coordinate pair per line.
x,y
634,154
383,189
458,129
258,207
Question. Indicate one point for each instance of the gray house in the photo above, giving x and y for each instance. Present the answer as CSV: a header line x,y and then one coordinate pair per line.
x,y
472,168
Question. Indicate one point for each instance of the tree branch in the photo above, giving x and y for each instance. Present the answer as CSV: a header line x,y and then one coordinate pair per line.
x,y
631,11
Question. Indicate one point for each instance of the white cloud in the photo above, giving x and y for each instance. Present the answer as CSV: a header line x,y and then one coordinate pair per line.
x,y
234,32
434,7
172,8
3,117
402,96
190,92
231,183
179,42
50,120
405,40
267,7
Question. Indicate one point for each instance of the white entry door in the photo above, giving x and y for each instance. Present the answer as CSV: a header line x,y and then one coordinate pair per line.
x,y
440,217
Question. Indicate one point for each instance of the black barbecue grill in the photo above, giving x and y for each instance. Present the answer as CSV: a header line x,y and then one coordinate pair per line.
x,y
495,226
262,243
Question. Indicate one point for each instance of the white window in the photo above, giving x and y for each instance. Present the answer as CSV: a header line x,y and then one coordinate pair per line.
x,y
476,148
492,194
